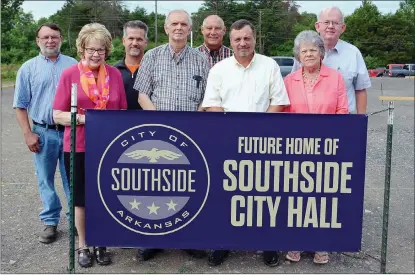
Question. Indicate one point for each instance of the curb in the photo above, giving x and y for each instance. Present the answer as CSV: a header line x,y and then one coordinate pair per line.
x,y
409,77
8,86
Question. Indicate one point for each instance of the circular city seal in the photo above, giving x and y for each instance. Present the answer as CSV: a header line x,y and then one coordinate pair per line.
x,y
153,179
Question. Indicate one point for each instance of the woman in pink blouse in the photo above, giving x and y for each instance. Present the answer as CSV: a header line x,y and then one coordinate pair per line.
x,y
99,87
315,89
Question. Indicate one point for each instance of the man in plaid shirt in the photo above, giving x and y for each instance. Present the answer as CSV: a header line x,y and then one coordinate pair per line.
x,y
213,30
172,77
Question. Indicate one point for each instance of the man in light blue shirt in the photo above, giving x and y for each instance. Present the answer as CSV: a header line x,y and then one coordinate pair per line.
x,y
35,89
343,57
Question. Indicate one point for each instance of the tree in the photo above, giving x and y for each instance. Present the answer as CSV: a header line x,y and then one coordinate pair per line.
x,y
20,40
9,9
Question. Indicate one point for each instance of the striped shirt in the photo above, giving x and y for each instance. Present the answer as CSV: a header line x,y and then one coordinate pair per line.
x,y
36,83
215,56
174,82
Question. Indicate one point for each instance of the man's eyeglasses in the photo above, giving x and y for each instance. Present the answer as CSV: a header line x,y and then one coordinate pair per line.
x,y
92,51
334,23
46,38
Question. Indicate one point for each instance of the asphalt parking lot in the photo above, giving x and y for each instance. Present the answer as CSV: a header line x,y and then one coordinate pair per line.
x,y
20,205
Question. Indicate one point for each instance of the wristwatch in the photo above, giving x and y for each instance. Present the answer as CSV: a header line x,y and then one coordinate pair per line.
x,y
78,117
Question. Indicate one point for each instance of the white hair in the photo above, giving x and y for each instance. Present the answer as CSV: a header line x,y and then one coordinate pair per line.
x,y
328,10
167,21
308,37
217,17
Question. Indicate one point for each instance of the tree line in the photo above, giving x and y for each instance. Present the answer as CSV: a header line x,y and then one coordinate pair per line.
x,y
382,38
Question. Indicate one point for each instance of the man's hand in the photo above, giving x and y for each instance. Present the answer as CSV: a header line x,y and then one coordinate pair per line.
x,y
215,109
145,102
32,141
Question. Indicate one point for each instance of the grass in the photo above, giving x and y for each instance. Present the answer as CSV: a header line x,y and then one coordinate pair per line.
x,y
8,74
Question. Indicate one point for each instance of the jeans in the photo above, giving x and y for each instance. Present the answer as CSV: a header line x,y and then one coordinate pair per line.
x,y
51,150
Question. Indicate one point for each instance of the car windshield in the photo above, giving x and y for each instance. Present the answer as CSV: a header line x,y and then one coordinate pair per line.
x,y
284,61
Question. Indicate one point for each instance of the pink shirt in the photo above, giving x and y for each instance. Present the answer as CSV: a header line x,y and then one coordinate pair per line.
x,y
117,100
327,96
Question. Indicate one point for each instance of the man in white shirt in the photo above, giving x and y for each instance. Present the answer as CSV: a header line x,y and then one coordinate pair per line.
x,y
245,82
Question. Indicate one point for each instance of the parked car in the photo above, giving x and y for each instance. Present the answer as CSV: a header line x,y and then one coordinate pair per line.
x,y
407,70
391,67
378,72
286,64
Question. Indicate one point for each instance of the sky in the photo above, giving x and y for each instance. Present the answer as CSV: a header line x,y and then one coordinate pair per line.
x,y
46,8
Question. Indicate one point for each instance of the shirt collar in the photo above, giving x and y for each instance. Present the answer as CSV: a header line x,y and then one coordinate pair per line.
x,y
48,59
206,48
249,65
298,75
180,54
339,46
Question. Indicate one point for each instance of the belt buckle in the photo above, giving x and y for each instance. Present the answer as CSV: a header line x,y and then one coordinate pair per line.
x,y
57,127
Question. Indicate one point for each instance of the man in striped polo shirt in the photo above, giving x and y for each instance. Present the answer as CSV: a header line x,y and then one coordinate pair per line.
x,y
35,89
213,30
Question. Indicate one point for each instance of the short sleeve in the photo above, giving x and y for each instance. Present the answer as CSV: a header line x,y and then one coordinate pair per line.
x,y
278,93
22,91
362,80
213,87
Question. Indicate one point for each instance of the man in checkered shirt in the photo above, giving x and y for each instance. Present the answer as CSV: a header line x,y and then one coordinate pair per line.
x,y
213,30
172,77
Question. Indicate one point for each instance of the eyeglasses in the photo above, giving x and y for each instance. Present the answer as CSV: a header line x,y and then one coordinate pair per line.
x,y
334,23
92,51
46,38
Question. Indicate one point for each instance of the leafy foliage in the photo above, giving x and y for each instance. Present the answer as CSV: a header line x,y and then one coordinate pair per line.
x,y
382,38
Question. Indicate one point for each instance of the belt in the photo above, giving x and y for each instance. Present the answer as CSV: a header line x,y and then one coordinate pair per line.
x,y
56,127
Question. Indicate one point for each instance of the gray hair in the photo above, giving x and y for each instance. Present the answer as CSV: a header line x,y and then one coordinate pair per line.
x,y
309,37
328,10
167,21
136,24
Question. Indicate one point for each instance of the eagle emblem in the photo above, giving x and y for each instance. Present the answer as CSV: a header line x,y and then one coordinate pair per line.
x,y
153,155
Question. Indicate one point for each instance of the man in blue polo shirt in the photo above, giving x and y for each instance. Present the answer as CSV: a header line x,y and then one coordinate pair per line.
x,y
35,89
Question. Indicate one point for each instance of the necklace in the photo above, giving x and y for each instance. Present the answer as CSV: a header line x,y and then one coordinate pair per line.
x,y
310,80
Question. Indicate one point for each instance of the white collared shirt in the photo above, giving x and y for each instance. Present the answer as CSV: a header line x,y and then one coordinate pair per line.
x,y
252,89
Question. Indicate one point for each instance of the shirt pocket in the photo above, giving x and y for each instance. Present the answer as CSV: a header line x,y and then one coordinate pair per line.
x,y
261,98
261,93
348,77
194,88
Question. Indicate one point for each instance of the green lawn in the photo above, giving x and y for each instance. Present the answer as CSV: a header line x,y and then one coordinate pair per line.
x,y
8,74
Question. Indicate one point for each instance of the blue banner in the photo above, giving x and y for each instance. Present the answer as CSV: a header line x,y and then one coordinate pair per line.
x,y
240,181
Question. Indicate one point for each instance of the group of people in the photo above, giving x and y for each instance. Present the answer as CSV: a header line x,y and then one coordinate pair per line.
x,y
329,77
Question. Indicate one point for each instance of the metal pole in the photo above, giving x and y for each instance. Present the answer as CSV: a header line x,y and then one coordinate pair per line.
x,y
386,195
74,110
155,25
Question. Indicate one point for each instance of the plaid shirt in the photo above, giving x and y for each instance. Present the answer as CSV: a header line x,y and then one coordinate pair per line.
x,y
174,82
215,56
